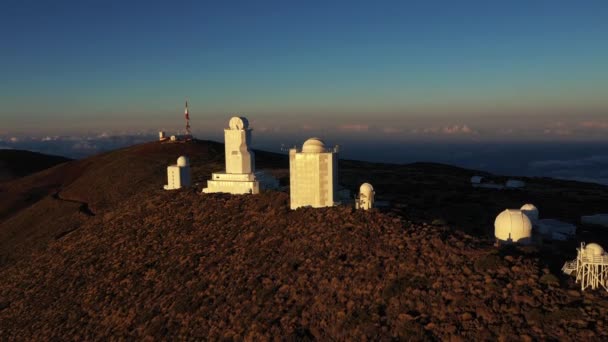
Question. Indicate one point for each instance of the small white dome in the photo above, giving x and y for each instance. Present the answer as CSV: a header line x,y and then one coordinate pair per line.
x,y
183,161
476,179
515,183
313,145
366,189
593,249
531,211
513,225
238,123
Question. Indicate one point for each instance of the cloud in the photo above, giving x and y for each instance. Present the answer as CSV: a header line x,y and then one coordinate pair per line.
x,y
601,125
392,130
557,128
446,130
455,129
353,128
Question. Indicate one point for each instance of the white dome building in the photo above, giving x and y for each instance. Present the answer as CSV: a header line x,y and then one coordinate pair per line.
x,y
313,145
513,225
178,175
313,175
531,211
366,197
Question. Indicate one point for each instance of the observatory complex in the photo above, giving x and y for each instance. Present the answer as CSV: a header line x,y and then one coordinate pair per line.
x,y
178,175
313,175
239,177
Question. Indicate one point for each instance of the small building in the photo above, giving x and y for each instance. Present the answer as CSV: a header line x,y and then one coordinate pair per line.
x,y
162,136
239,177
596,220
513,226
555,229
485,183
531,211
366,197
515,184
313,174
476,179
178,175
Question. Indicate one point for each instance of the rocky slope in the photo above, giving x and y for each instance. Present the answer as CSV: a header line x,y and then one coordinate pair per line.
x,y
93,249
180,265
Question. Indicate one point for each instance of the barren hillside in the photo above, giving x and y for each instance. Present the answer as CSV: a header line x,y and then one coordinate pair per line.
x,y
93,249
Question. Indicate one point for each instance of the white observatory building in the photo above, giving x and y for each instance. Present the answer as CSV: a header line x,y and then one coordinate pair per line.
x,y
531,211
590,267
313,174
366,197
239,177
513,225
178,176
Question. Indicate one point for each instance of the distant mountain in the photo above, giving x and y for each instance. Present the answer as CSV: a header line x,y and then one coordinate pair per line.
x,y
95,249
19,163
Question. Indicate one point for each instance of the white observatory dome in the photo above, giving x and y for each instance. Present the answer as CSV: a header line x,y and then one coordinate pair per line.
x,y
593,249
238,123
476,179
366,189
183,161
513,225
531,211
313,145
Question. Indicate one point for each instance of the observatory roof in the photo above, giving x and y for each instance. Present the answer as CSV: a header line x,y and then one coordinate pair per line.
x,y
238,123
313,145
366,188
183,161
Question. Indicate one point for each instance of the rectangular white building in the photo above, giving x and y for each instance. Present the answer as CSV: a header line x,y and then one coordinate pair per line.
x,y
178,175
313,175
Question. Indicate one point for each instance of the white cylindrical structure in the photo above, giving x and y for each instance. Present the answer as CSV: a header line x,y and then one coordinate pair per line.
x,y
161,135
531,211
183,161
513,225
366,196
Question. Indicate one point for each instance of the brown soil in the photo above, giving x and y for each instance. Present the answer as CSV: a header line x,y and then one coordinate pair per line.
x,y
180,265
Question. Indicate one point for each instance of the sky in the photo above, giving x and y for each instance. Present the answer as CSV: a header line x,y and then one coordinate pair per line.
x,y
395,71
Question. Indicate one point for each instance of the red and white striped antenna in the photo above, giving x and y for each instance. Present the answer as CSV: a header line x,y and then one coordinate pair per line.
x,y
187,117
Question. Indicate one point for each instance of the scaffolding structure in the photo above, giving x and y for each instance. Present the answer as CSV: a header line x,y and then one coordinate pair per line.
x,y
590,267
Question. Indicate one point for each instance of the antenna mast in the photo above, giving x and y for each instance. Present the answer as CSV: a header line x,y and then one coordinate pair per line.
x,y
187,117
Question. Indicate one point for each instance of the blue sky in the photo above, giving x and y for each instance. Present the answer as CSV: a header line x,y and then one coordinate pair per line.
x,y
478,70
